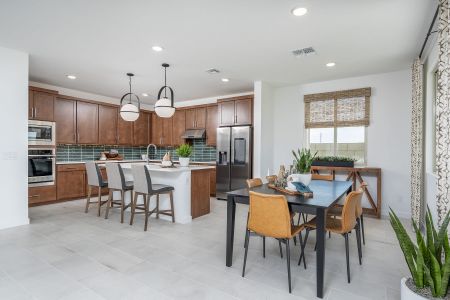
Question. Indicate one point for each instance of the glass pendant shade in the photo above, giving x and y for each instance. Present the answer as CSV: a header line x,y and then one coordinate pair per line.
x,y
164,108
129,112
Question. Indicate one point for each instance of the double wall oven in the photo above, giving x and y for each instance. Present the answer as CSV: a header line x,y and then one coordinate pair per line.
x,y
41,153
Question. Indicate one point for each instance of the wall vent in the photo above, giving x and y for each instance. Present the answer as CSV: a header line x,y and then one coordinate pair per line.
x,y
304,52
212,71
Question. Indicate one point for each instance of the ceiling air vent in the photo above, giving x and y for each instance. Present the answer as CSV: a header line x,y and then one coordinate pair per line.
x,y
212,71
304,52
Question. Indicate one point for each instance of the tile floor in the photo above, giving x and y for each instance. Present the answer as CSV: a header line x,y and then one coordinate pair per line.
x,y
67,254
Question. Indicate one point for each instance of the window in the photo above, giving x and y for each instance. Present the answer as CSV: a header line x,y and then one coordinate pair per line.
x,y
337,122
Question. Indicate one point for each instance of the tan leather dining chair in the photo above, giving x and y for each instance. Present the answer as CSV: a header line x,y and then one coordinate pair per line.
x,y
269,216
343,225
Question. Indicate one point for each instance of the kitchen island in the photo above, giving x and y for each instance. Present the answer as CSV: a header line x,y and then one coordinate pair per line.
x,y
192,189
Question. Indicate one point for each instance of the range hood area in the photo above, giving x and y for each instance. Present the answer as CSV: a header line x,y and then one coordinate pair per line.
x,y
194,134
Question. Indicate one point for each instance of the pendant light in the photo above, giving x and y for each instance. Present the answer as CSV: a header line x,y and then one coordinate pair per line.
x,y
164,106
128,110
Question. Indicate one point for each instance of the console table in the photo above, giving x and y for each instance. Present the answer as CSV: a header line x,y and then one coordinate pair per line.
x,y
354,174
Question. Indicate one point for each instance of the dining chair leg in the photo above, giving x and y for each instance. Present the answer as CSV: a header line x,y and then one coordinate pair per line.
x,y
358,241
171,207
122,208
146,206
133,207
302,254
157,206
264,246
347,256
295,238
288,259
99,204
109,203
362,230
281,249
247,241
88,199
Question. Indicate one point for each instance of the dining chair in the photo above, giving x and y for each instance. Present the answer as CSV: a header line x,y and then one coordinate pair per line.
x,y
343,225
269,216
271,178
117,183
95,180
143,186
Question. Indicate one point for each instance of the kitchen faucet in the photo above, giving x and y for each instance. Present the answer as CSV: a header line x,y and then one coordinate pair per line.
x,y
148,148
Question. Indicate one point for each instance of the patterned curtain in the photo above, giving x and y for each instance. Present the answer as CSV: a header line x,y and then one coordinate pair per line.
x,y
417,141
443,113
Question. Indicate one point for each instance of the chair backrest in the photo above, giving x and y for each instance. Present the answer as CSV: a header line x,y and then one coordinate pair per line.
x,y
254,182
141,179
269,215
271,178
94,176
327,177
349,210
116,178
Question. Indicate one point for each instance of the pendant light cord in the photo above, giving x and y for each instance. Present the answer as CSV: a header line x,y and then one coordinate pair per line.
x,y
129,97
165,82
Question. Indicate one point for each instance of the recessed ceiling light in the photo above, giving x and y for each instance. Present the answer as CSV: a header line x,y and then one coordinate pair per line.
x,y
144,94
225,79
157,48
299,11
71,77
330,64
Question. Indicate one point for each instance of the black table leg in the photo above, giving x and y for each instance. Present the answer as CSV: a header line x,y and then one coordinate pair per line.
x,y
320,253
231,213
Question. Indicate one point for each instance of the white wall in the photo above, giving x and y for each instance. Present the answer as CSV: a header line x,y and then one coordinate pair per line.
x,y
14,149
388,136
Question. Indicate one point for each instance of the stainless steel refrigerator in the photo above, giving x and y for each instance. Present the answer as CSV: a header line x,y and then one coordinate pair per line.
x,y
234,158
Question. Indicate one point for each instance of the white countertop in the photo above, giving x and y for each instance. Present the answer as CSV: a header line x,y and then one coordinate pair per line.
x,y
210,163
156,167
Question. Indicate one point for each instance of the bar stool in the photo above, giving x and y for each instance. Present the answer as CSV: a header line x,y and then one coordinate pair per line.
x,y
143,186
117,183
95,180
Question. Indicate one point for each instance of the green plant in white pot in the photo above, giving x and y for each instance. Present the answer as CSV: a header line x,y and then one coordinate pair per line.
x,y
184,152
303,160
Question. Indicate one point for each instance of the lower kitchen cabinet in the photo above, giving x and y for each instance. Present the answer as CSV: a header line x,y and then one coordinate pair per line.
x,y
70,181
200,203
41,194
212,182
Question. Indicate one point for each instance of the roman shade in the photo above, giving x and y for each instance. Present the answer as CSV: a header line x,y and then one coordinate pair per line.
x,y
338,109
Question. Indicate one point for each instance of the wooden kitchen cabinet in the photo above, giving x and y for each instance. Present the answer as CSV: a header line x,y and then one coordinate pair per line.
x,y
142,129
162,131
65,119
41,104
236,111
179,127
87,123
212,182
41,194
200,193
70,181
107,125
196,118
124,131
211,125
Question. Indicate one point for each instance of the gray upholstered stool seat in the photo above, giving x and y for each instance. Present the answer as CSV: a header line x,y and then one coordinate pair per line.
x,y
95,180
143,187
117,183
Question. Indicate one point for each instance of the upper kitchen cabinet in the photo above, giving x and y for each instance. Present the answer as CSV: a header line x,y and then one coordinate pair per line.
x,y
196,118
124,131
107,125
87,123
142,129
179,127
66,122
162,130
236,111
211,125
41,104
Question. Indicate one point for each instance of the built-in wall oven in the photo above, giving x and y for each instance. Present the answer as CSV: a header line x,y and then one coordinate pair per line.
x,y
41,133
41,166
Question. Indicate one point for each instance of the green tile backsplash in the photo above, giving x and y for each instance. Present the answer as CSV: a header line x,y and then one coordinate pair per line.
x,y
201,152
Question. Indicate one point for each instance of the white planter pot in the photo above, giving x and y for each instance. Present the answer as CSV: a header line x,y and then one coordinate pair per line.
x,y
303,178
406,293
184,161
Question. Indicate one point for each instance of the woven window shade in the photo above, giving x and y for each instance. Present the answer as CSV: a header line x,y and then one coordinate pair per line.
x,y
334,109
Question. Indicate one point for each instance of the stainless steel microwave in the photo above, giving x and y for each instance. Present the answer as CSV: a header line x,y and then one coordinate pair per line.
x,y
41,133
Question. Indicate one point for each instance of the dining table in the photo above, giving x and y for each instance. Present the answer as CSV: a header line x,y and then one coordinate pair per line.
x,y
325,195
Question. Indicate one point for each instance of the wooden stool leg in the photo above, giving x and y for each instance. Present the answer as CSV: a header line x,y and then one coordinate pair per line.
x,y
99,204
122,208
147,204
108,204
88,199
133,207
157,206
171,207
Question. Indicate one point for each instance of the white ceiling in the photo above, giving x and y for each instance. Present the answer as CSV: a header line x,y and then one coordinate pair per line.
x,y
101,40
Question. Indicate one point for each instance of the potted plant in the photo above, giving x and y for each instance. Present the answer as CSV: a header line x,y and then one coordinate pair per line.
x,y
334,161
184,152
428,259
302,166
